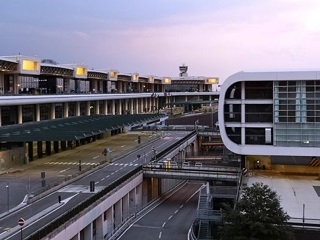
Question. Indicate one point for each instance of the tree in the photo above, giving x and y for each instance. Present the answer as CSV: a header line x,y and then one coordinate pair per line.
x,y
257,215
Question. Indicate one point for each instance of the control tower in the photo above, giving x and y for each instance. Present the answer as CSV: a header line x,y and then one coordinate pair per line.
x,y
183,71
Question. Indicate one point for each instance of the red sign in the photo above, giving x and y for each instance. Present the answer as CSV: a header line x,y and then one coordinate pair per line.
x,y
21,222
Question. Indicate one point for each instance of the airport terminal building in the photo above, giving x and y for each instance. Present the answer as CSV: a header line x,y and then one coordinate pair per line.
x,y
271,114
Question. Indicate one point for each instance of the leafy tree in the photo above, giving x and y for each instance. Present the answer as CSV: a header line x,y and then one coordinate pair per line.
x,y
257,215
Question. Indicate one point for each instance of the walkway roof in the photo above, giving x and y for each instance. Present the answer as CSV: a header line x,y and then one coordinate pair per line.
x,y
72,128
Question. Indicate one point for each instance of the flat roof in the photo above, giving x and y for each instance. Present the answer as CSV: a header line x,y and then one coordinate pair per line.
x,y
71,128
294,191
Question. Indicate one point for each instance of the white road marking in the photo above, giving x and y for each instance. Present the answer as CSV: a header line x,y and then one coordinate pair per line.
x,y
170,217
160,234
164,224
64,170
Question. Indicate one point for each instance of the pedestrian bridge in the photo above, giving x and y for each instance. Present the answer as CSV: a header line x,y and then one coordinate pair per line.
x,y
226,174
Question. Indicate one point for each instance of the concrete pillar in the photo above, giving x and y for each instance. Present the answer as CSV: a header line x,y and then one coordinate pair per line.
x,y
87,231
243,111
19,114
125,207
63,145
117,213
30,151
87,110
37,109
113,107
39,149
78,109
48,148
139,196
0,117
137,106
131,105
56,146
108,221
99,228
52,111
126,105
105,107
97,109
66,109
119,107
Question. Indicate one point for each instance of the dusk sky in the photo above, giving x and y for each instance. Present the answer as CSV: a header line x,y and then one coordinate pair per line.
x,y
153,37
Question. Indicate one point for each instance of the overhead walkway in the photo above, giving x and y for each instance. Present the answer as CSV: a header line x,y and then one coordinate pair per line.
x,y
193,173
72,128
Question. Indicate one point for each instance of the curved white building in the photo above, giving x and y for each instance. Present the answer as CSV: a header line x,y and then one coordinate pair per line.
x,y
271,113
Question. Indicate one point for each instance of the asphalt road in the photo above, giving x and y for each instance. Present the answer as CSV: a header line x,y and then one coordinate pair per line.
x,y
171,220
48,208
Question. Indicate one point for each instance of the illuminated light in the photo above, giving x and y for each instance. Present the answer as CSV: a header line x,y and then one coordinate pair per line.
x,y
212,80
113,74
30,65
81,71
167,80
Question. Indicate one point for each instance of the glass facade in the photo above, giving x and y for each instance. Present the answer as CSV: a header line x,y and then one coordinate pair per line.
x,y
297,113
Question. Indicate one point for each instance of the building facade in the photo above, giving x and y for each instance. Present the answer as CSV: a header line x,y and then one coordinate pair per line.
x,y
271,113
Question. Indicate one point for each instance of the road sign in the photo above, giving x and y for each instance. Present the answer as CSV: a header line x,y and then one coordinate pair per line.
x,y
21,222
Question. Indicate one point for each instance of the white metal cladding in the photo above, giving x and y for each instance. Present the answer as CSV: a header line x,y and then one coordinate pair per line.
x,y
246,149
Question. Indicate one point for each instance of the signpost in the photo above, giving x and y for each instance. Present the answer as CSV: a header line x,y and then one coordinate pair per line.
x,y
21,223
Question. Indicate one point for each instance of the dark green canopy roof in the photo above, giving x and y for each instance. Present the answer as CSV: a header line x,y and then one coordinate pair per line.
x,y
71,128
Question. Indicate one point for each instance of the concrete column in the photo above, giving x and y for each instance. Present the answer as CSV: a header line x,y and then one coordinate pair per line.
x,y
119,106
105,107
52,111
126,105
99,227
131,105
0,117
145,104
139,196
19,114
66,109
87,110
39,149
48,148
37,109
113,107
78,109
108,221
118,213
87,231
30,152
125,207
137,106
97,110
132,202
56,146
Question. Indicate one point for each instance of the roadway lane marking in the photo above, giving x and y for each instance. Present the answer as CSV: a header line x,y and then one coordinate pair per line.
x,y
160,234
176,211
95,157
164,224
181,206
123,146
170,217
64,170
102,179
